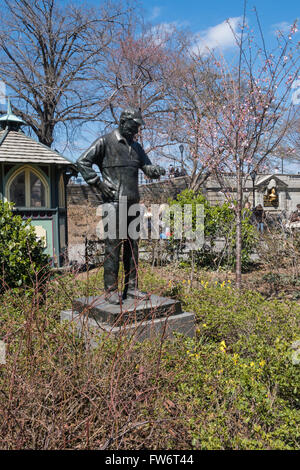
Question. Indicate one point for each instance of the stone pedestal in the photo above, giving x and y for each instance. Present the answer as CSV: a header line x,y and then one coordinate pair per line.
x,y
143,317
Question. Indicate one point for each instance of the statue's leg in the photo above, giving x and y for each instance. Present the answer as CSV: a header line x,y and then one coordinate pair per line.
x,y
112,253
111,270
111,264
130,260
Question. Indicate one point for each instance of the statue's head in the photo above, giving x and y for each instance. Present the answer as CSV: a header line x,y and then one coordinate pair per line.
x,y
130,121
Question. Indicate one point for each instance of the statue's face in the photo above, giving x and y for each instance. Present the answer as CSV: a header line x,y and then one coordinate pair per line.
x,y
129,128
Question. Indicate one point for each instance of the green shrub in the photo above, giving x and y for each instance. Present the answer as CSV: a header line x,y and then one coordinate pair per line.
x,y
238,384
219,222
22,258
234,400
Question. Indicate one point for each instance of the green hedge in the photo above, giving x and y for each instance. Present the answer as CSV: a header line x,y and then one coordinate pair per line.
x,y
22,258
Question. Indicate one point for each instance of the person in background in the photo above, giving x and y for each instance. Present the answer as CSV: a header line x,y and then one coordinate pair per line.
x,y
295,216
259,215
148,217
171,171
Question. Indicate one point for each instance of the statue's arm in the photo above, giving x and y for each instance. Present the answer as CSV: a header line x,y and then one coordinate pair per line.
x,y
93,155
153,171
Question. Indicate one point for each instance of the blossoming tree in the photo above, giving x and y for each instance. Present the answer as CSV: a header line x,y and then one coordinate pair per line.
x,y
240,115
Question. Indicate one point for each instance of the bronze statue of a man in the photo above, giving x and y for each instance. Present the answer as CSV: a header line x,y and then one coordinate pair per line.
x,y
119,157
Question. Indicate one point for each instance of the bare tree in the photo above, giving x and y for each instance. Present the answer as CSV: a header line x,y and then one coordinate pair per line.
x,y
48,54
136,74
189,94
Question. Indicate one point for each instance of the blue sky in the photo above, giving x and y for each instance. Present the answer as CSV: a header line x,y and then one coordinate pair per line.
x,y
207,18
200,15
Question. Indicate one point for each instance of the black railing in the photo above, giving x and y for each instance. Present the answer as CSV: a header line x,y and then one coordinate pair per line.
x,y
35,212
143,179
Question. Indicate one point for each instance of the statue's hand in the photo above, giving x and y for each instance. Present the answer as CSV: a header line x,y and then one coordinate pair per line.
x,y
106,189
158,170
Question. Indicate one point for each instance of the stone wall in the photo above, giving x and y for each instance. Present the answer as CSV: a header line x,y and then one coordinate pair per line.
x,y
159,192
83,202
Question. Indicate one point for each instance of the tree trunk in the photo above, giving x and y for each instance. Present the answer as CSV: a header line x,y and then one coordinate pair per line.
x,y
46,131
198,180
238,270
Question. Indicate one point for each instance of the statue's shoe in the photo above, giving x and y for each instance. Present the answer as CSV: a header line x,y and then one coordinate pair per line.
x,y
113,298
135,294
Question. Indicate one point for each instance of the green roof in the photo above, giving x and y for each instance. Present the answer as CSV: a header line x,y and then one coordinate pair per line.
x,y
10,117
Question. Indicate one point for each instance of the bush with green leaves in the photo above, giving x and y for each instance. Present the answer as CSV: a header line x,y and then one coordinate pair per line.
x,y
240,379
22,258
219,222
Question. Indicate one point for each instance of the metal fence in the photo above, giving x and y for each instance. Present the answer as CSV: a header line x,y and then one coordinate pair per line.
x,y
143,179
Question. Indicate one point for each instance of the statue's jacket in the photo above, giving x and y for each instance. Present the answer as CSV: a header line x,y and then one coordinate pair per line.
x,y
119,162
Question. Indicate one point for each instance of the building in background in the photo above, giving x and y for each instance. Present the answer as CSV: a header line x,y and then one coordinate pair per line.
x,y
277,193
34,178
